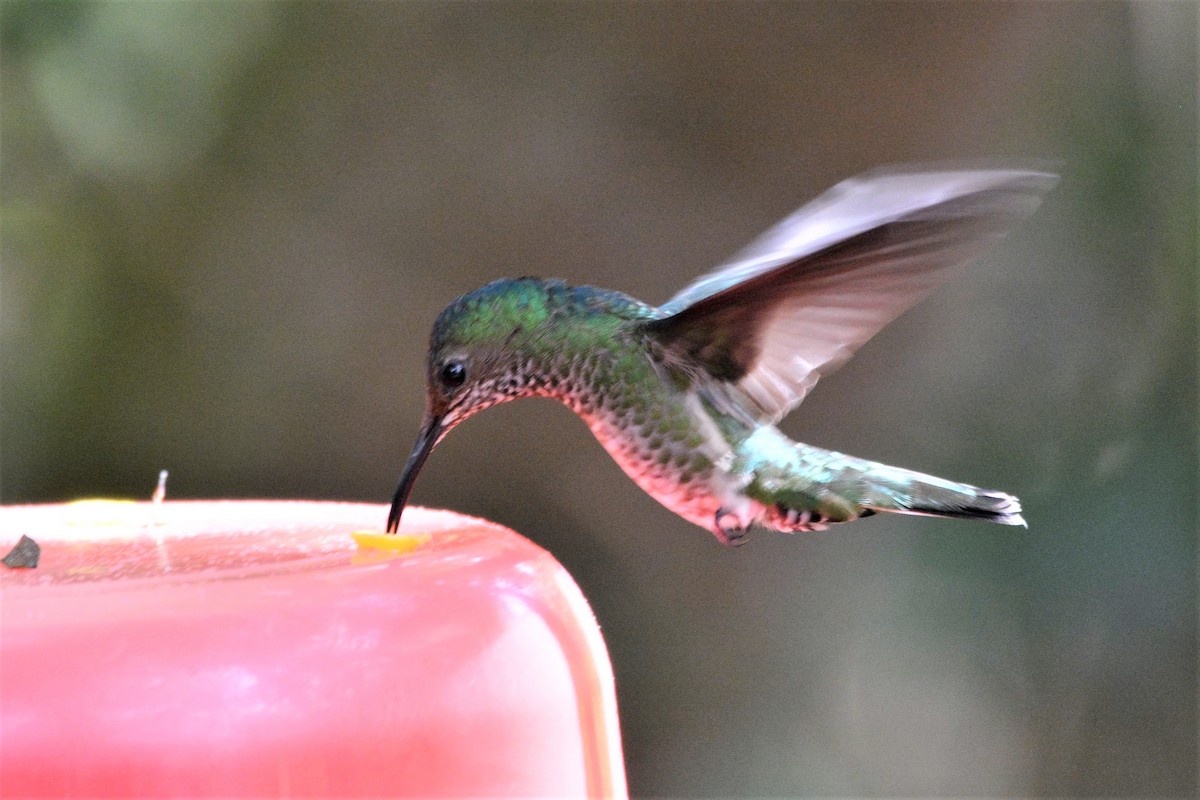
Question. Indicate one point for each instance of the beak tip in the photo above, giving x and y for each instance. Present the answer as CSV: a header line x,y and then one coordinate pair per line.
x,y
426,440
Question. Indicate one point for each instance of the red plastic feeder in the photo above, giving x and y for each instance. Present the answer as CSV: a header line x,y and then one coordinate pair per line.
x,y
242,649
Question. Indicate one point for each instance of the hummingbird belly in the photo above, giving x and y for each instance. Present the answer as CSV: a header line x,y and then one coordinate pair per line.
x,y
676,453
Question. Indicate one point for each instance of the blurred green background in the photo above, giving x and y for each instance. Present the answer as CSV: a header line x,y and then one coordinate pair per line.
x,y
227,227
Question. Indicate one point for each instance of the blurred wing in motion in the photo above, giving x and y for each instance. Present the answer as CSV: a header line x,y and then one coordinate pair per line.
x,y
804,296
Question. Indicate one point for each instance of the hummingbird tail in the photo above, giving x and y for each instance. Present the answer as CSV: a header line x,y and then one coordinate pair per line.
x,y
924,494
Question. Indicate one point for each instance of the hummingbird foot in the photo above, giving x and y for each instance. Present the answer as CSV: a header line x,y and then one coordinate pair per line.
x,y
728,528
794,520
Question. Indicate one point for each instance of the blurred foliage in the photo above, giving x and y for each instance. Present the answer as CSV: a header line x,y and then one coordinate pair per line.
x,y
226,226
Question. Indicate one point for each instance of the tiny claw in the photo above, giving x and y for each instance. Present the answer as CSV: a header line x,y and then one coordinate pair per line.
x,y
728,528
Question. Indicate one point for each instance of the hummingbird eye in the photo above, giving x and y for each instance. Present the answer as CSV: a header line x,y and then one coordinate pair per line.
x,y
453,374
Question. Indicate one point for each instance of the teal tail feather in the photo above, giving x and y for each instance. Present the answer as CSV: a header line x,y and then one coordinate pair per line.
x,y
905,492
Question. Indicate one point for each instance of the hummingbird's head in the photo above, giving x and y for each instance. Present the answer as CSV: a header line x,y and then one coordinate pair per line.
x,y
480,354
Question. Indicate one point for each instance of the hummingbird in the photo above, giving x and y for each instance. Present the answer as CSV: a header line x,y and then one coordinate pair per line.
x,y
686,396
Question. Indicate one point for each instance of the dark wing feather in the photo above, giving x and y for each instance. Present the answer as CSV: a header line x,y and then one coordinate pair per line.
x,y
800,300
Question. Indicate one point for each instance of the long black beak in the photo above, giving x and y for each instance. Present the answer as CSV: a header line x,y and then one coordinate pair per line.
x,y
426,439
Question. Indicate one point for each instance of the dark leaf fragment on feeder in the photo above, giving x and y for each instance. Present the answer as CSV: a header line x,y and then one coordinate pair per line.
x,y
24,555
